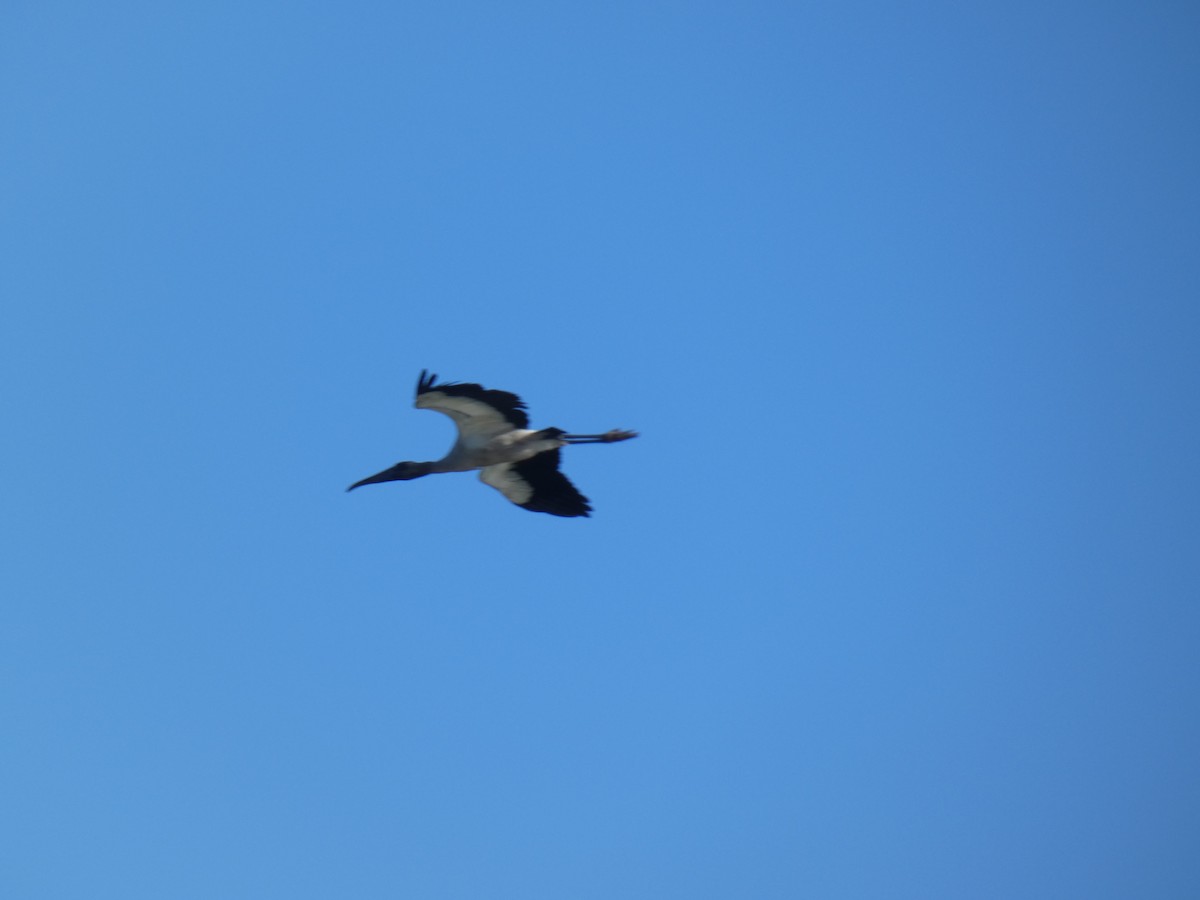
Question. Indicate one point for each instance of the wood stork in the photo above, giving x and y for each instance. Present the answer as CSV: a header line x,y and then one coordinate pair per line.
x,y
493,436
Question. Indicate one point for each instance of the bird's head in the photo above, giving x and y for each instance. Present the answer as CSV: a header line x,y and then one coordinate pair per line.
x,y
402,471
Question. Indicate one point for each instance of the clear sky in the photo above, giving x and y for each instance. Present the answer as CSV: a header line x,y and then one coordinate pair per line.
x,y
897,596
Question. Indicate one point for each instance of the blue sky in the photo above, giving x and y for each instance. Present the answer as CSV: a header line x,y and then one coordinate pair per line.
x,y
896,596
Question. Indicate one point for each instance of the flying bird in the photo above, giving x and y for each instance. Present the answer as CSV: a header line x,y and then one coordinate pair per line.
x,y
494,437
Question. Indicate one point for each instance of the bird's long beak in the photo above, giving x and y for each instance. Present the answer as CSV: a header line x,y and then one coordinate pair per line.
x,y
391,474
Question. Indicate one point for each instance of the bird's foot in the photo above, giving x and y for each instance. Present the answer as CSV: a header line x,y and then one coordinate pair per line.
x,y
617,434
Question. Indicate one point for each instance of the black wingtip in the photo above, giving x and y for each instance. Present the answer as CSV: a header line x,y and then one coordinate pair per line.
x,y
553,492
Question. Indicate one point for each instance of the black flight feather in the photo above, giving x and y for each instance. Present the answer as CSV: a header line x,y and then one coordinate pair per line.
x,y
508,405
552,492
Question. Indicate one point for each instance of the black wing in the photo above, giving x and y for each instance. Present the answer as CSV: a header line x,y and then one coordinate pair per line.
x,y
552,492
510,406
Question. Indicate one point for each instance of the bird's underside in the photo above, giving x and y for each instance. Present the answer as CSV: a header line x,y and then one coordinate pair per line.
x,y
494,437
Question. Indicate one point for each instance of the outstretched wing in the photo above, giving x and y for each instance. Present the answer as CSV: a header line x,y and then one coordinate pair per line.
x,y
475,410
537,485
